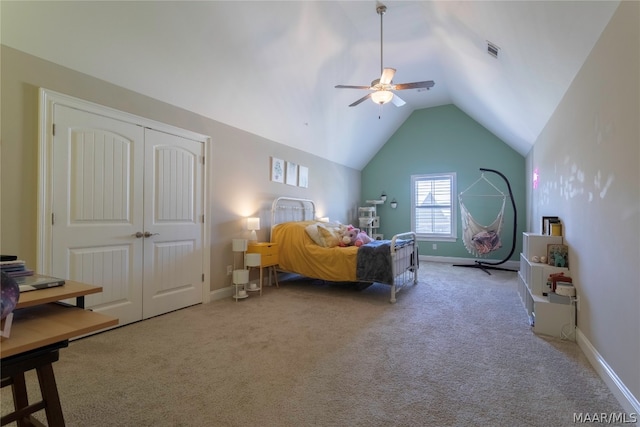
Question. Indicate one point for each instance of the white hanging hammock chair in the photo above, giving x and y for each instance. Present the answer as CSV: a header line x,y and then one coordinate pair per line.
x,y
481,239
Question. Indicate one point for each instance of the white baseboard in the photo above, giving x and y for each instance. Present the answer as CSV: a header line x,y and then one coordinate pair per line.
x,y
222,293
628,401
513,265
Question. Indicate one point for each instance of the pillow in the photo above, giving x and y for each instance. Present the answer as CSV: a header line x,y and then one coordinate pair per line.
x,y
326,235
312,231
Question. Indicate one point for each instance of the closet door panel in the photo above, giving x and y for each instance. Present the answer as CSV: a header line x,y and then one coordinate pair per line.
x,y
97,205
173,265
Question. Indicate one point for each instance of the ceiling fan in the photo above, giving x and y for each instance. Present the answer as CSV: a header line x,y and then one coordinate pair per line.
x,y
383,86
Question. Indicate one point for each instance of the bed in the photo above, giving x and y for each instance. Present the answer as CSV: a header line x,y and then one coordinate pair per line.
x,y
390,262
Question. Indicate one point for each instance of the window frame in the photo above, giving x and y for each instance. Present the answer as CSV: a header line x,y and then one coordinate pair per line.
x,y
436,237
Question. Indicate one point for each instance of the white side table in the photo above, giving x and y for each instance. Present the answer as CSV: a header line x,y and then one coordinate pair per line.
x,y
240,276
254,260
240,281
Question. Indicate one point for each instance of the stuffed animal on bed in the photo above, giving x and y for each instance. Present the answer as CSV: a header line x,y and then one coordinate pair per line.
x,y
354,237
348,236
362,238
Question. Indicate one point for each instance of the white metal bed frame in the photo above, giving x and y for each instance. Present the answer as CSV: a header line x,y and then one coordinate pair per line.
x,y
404,259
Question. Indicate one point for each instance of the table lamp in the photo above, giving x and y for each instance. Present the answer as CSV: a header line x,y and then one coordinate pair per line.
x,y
253,224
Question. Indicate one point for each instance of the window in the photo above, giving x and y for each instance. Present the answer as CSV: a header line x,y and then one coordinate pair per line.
x,y
433,206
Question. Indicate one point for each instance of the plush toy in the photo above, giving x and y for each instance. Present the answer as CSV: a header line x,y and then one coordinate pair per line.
x,y
354,237
349,236
361,238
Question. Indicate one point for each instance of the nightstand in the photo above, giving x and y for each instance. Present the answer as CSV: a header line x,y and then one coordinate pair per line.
x,y
268,258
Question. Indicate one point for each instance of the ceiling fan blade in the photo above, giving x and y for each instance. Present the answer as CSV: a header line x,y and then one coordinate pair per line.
x,y
415,85
387,76
352,87
397,101
364,98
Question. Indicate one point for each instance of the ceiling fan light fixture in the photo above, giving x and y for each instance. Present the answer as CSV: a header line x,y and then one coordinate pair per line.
x,y
382,96
382,87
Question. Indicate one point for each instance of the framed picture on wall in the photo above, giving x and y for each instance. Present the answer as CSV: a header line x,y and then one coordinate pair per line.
x,y
292,174
303,177
277,170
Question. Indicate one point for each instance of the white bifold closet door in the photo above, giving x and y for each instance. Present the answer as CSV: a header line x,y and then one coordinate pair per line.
x,y
127,214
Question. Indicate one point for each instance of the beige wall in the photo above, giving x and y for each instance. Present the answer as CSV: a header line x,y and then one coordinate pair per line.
x,y
588,159
240,165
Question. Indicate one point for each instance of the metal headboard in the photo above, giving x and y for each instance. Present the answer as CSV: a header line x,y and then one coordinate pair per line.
x,y
288,209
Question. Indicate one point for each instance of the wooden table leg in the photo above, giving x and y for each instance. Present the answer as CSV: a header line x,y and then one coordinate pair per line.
x,y
49,391
14,367
19,389
275,275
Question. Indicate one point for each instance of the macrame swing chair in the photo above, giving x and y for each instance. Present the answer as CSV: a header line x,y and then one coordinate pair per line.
x,y
481,239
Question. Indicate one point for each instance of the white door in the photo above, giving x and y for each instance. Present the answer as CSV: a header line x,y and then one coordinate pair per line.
x,y
98,208
174,222
127,214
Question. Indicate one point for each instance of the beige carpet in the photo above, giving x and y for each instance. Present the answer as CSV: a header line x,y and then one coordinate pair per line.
x,y
455,350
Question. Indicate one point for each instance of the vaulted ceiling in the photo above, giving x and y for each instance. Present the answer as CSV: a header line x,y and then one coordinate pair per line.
x,y
270,67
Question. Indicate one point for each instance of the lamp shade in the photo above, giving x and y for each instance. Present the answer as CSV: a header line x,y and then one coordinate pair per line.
x,y
381,96
239,245
253,223
252,260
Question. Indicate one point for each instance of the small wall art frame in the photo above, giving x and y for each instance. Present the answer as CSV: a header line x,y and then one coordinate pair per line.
x,y
277,170
303,177
291,177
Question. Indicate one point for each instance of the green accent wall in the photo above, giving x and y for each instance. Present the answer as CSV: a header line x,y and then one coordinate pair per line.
x,y
441,140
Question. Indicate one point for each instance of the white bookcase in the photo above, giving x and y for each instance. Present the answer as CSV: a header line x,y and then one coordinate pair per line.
x,y
547,318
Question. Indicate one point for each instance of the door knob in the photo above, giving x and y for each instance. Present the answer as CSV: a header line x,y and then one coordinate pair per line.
x,y
147,234
139,234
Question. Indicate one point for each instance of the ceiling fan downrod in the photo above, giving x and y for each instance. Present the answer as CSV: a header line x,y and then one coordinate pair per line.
x,y
381,9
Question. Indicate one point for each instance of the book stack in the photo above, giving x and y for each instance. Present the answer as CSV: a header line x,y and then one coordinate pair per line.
x,y
551,226
14,267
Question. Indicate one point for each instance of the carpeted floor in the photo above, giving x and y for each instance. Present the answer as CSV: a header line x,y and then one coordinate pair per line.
x,y
455,350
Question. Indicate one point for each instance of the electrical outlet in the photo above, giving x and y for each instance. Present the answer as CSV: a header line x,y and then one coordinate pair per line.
x,y
434,246
229,270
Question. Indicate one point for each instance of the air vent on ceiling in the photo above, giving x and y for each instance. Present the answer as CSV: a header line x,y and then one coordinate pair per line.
x,y
492,49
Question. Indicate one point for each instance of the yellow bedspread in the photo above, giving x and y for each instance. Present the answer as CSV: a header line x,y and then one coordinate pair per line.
x,y
299,254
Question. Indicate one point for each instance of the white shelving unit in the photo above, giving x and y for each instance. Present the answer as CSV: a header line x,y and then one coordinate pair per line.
x,y
253,260
547,318
240,277
368,219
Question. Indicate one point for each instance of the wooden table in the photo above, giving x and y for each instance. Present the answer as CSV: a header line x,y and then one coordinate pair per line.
x,y
70,289
41,327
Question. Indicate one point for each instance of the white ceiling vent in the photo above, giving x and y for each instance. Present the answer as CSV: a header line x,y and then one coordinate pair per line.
x,y
492,49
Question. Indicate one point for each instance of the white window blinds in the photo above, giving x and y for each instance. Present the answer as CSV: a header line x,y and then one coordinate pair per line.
x,y
433,205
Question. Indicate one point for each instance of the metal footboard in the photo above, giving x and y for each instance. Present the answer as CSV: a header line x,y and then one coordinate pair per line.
x,y
404,263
